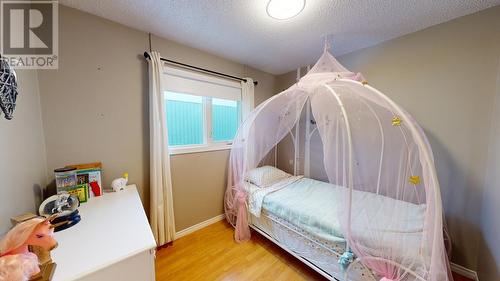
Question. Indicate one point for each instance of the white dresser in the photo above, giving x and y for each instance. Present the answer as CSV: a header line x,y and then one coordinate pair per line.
x,y
113,241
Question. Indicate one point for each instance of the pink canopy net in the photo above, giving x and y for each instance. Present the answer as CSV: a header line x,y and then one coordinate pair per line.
x,y
372,148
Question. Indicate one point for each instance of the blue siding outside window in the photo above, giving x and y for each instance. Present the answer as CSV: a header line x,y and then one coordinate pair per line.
x,y
184,119
225,119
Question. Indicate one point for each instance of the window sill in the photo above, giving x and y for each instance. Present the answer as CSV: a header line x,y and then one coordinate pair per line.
x,y
197,149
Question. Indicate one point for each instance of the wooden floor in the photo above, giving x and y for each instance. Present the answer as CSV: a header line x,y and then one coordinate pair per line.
x,y
212,254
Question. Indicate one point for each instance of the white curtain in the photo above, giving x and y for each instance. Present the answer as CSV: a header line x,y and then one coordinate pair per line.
x,y
247,97
161,199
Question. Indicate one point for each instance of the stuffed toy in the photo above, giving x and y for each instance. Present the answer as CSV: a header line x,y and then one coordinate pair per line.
x,y
120,183
17,263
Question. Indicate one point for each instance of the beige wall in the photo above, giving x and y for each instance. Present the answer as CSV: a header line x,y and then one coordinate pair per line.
x,y
94,107
99,97
22,152
199,179
489,244
445,76
198,182
286,147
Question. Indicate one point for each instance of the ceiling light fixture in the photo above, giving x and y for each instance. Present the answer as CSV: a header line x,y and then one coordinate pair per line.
x,y
285,9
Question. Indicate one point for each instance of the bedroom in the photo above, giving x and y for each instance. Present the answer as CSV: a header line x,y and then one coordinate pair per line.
x,y
437,61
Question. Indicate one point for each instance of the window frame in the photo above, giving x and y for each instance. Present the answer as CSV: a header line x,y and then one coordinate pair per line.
x,y
208,143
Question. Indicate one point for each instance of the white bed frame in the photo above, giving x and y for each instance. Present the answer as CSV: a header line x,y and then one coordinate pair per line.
x,y
261,225
309,132
311,265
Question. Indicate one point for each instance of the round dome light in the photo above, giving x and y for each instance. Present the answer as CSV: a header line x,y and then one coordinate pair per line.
x,y
284,9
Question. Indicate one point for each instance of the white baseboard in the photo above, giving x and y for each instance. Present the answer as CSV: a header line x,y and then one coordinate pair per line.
x,y
198,226
469,273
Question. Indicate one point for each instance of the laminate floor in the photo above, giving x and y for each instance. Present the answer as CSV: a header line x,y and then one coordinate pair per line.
x,y
212,254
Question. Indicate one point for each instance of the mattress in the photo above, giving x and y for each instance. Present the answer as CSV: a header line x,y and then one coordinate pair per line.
x,y
313,206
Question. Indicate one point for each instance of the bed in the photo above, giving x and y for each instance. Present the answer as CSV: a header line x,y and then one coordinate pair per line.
x,y
333,125
297,213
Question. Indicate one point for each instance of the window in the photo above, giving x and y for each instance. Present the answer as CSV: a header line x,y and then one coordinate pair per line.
x,y
203,112
185,119
225,119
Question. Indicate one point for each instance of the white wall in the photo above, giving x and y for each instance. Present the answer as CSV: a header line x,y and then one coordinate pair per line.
x,y
22,153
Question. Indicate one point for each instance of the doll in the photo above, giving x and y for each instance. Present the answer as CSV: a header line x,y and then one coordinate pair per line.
x,y
17,263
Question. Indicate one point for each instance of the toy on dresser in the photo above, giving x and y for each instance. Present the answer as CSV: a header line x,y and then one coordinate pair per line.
x,y
64,207
119,183
17,263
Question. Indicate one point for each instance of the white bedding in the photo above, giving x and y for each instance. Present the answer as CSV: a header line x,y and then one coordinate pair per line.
x,y
256,194
314,207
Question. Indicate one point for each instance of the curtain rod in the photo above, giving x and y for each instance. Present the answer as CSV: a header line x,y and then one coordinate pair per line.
x,y
146,55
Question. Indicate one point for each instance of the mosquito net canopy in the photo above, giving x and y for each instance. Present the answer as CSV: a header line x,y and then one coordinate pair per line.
x,y
376,156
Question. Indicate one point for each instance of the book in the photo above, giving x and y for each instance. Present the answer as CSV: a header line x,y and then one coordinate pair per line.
x,y
89,173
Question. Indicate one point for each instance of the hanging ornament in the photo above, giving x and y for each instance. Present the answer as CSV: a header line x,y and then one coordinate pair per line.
x,y
8,89
396,121
414,180
346,259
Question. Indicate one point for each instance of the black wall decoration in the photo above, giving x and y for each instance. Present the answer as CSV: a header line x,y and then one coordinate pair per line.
x,y
8,89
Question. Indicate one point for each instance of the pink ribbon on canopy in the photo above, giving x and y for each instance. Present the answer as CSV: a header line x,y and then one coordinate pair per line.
x,y
242,232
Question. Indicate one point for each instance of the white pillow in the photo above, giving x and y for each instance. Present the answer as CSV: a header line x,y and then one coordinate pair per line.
x,y
265,176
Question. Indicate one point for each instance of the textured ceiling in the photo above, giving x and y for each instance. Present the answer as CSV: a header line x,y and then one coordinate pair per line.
x,y
242,31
